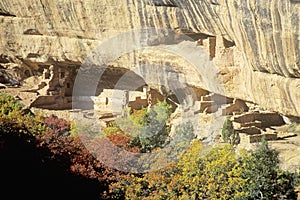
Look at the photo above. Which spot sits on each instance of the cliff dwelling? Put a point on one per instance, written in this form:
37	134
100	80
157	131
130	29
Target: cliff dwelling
120	88
81	85
54	90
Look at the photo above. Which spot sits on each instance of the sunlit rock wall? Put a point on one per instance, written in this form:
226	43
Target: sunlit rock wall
261	64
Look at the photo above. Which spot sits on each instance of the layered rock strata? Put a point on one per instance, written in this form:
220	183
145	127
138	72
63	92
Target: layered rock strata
254	44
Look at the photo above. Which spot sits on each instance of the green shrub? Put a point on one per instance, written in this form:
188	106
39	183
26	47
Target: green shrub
147	128
265	179
9	105
15	120
155	131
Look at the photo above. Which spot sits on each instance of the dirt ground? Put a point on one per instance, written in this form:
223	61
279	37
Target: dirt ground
289	152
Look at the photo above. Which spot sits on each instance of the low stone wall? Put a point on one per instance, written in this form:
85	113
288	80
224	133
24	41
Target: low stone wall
247	139
54	102
65	114
266	119
258	138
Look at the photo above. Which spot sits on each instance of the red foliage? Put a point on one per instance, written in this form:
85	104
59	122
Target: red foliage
88	156
71	152
120	140
123	141
58	125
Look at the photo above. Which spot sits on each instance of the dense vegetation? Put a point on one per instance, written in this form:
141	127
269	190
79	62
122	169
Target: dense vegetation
201	172
147	129
218	173
41	158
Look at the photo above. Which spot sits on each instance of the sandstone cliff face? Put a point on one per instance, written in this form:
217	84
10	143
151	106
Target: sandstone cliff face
257	48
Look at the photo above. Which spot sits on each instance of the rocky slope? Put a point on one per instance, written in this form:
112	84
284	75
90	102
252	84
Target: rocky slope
254	44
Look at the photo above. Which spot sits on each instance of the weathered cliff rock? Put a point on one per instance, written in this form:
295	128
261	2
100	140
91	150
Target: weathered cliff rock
257	49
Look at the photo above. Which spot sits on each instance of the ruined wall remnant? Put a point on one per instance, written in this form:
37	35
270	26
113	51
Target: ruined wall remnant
112	101
117	101
55	88
248	139
254	126
267	119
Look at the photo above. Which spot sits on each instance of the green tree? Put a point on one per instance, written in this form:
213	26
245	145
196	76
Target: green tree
228	133
155	132
264	178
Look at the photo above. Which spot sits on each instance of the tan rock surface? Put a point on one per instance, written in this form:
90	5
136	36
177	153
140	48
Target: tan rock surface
262	63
